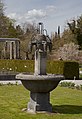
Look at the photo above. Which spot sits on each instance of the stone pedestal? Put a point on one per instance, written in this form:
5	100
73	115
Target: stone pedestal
40	87
39	102
11	50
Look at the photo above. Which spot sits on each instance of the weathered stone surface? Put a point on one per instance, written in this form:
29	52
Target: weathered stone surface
40	63
40	84
39	102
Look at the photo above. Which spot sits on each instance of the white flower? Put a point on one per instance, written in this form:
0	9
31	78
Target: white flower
25	66
10	69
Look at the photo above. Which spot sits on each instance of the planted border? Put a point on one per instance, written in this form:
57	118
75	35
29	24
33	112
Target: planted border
68	69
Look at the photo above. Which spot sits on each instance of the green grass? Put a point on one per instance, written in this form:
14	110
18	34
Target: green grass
67	103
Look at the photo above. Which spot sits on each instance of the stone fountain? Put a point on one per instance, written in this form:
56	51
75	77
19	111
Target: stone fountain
40	83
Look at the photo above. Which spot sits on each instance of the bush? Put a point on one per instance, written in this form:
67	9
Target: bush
68	69
72	85
77	87
81	87
10	84
1	84
67	84
16	65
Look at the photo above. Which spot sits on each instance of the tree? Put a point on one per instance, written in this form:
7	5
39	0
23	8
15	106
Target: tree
5	22
76	29
19	32
66	37
1	8
69	52
29	31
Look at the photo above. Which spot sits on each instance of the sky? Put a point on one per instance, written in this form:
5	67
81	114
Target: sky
52	13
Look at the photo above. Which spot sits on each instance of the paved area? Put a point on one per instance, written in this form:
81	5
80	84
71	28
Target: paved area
12	82
77	82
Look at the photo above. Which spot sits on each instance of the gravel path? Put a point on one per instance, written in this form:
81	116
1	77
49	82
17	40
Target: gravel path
77	82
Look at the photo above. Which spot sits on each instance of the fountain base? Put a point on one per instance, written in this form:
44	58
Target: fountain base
40	87
39	102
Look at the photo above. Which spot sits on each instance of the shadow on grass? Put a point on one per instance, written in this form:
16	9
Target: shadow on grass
67	109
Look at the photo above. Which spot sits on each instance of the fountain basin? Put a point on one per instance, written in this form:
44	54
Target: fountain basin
40	83
39	87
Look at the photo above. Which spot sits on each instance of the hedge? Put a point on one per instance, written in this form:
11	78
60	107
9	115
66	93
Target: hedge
68	69
17	65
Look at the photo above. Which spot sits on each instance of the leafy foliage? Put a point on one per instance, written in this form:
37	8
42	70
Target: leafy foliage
29	32
71	85
25	33
1	8
76	29
68	69
7	28
67	84
69	51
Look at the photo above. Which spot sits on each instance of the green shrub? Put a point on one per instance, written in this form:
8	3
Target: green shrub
1	84
16	65
67	84
81	87
68	69
10	84
71	69
77	87
72	85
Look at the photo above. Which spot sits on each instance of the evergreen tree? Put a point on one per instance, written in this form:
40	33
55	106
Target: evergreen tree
1	8
76	29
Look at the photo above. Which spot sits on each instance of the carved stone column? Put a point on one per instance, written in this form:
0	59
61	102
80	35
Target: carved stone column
5	49
11	50
15	56
17	49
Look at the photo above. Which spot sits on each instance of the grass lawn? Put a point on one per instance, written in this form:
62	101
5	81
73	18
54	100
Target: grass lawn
67	103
